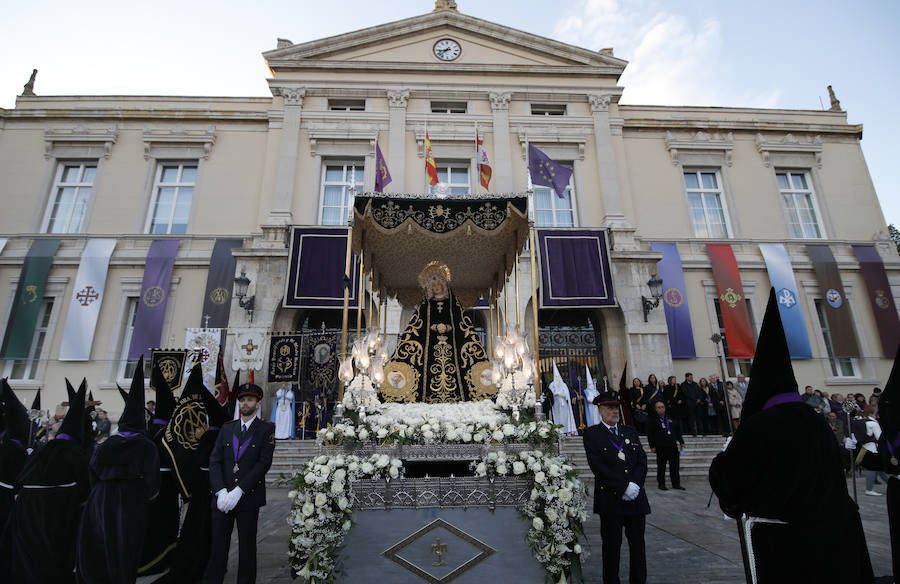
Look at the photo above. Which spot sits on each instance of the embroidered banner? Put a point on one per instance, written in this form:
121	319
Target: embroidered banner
151	311
880	296
204	342
574	268
171	365
321	360
248	351
27	300
837	309
781	275
316	269
735	316
219	283
284	357
87	297
678	315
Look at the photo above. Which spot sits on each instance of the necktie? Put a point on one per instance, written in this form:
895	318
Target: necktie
615	431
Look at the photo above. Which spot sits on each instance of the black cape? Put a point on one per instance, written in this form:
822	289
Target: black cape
124	476
163	516
783	463
12	461
38	543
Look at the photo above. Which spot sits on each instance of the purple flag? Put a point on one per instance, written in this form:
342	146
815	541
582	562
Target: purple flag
382	175
678	315
546	173
880	297
148	322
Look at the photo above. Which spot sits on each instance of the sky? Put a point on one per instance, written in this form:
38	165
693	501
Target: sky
708	53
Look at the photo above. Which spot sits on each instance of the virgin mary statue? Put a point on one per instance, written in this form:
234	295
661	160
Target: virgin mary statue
439	357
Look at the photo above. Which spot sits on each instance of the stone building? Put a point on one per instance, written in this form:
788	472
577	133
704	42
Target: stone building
199	169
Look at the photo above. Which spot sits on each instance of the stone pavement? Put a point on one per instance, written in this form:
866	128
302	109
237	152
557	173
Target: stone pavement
686	541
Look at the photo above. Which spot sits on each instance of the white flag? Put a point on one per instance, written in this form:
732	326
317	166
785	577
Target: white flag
248	349
206	342
3	241
87	296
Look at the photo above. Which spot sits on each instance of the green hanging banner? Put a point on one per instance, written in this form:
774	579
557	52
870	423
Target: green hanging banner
28	298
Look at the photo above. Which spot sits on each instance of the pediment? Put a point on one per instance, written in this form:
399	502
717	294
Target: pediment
409	42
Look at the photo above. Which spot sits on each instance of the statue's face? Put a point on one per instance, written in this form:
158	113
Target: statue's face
438	288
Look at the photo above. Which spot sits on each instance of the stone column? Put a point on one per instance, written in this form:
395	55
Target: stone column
397	100
503	157
286	170
613	209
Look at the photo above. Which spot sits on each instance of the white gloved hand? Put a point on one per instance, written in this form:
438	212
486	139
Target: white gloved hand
232	498
850	442
631	492
220	499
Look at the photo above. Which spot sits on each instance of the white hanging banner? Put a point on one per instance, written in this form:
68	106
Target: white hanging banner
87	296
3	241
205	343
248	351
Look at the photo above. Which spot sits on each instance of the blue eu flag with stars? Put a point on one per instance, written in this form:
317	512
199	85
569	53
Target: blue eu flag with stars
546	173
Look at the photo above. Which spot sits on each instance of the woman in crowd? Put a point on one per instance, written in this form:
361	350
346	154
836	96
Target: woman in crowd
735	401
638	405
675	403
709	420
654	392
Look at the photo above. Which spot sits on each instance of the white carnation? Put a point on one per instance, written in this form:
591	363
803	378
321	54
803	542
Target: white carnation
538	523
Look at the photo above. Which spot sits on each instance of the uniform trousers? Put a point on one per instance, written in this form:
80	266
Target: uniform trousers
893	508
222	526
611	527
670	456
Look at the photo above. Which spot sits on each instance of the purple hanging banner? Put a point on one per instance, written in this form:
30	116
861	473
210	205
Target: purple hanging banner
575	268
151	311
316	265
880	296
678	315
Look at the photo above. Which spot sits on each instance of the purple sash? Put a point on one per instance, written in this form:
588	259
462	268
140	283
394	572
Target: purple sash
129	434
781	398
64	436
240	450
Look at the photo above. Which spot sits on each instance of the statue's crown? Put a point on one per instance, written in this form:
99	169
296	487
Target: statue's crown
432	269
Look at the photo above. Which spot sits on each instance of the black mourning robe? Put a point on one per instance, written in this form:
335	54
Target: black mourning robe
38	542
124	476
163	513
438	364
784	463
12	461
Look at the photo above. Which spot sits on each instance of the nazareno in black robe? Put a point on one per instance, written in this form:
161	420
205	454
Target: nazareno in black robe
784	463
124	475
38	542
12	461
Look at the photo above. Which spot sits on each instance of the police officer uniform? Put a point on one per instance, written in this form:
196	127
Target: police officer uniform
240	458
616	458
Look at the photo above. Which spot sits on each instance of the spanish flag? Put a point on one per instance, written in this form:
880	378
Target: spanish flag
430	166
484	165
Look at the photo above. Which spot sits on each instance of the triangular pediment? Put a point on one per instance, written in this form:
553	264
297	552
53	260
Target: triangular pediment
410	42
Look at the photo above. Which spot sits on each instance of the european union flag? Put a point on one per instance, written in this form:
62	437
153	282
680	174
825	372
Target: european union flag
545	172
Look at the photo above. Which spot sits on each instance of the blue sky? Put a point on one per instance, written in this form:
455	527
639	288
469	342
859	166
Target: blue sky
762	54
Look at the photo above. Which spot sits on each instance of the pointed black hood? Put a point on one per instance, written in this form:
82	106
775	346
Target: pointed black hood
193	387
217	413
36	403
889	404
73	424
122	393
771	373
165	401
15	416
133	418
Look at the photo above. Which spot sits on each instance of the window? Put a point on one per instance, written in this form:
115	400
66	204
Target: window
173	191
337	180
797	194
733	366
454	175
548	109
708	214
840	366
449	107
25	369
347	105
71	193
126	367
551	210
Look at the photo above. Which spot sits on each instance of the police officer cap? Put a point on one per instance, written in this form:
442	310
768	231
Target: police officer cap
250	389
607	398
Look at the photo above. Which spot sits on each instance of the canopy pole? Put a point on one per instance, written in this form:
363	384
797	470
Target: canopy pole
349	279
383	315
506	307
371	301
516	264
534	310
362	291
491	322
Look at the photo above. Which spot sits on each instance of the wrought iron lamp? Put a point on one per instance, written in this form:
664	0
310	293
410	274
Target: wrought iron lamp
241	286
655	284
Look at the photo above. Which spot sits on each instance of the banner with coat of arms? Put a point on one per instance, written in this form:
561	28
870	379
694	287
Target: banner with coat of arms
880	297
284	357
171	365
248	351
86	299
219	284
321	361
204	342
781	275
675	306
151	310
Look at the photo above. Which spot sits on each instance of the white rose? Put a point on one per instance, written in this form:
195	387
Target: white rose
478	437
310	523
342	503
363	434
321	459
492	455
394	472
321	499
382	432
539	477
481	469
308	509
329	435
534	494
337	487
367	467
551	515
509	429
396	462
339	474
466	436
353	466
428	434
452	436
292	495
518	467
497	436
577	548
347	525
565	495
538	523
502	468
350	431
310	478
553	471
544	432
383	461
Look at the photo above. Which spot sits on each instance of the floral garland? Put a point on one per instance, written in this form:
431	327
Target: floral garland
556	506
322	504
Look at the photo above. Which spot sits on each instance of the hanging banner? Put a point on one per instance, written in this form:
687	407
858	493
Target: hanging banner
3	241
204	343
219	284
27	300
574	268
171	364
248	351
678	315
87	297
151	311
837	309
284	357
318	257
735	316
880	296
321	361
781	275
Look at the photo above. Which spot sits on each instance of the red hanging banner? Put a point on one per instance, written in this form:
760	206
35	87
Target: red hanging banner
735	316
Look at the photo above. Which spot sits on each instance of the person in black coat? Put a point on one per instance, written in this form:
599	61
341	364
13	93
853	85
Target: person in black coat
695	403
619	464
13	438
664	438
237	473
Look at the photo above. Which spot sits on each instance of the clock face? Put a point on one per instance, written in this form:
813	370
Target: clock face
447	49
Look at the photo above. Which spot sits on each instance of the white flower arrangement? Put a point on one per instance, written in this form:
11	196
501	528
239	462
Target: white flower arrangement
361	394
322	505
555	509
516	392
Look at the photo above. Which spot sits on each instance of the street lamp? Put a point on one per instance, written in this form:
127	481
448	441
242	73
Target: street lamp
655	284
241	286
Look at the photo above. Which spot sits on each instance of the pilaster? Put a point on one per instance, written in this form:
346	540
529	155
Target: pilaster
397	100
503	163
286	170
613	208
